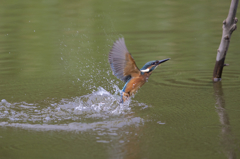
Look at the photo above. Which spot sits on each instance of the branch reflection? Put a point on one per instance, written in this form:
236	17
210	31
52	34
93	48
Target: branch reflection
227	140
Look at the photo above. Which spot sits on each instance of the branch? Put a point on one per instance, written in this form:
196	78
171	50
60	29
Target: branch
229	25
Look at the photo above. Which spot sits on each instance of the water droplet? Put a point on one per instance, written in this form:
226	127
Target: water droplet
159	122
48	118
3	101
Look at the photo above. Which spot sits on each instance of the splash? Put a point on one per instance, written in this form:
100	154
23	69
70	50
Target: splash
101	103
79	113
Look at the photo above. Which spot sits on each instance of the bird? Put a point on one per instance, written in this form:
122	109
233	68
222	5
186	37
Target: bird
124	68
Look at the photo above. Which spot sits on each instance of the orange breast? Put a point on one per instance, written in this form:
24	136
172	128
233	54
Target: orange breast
134	84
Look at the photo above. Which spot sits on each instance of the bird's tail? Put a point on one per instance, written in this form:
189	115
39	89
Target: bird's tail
121	101
124	97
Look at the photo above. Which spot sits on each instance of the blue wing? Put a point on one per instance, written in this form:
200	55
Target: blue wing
121	61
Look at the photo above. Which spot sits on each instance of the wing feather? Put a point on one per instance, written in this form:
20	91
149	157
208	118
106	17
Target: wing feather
121	61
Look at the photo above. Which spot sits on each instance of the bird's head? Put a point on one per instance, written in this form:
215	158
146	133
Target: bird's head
151	65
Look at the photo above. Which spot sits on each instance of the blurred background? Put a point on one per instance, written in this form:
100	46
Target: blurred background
56	82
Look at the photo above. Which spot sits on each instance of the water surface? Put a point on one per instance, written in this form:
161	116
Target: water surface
59	99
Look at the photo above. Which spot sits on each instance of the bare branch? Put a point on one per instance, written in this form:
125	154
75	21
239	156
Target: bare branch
229	25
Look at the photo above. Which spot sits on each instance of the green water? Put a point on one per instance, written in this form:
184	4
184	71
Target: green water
58	97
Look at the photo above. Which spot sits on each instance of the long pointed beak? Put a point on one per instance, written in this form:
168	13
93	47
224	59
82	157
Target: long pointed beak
162	61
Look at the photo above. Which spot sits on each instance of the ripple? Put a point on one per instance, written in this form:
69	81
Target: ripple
196	79
77	126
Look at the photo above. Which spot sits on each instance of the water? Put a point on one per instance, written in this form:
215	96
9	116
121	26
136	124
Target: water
101	107
59	99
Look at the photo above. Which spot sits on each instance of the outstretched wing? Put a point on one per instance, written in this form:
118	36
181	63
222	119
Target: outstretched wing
121	61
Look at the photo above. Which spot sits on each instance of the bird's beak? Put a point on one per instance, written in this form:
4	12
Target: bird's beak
162	61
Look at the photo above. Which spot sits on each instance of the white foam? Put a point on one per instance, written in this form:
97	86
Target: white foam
100	109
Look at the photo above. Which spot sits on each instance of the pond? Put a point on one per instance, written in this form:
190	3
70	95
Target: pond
59	99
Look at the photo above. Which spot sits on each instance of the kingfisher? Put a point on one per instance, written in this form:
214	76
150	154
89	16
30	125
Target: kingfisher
124	68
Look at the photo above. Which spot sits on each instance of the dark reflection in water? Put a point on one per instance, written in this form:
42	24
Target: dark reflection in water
227	139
